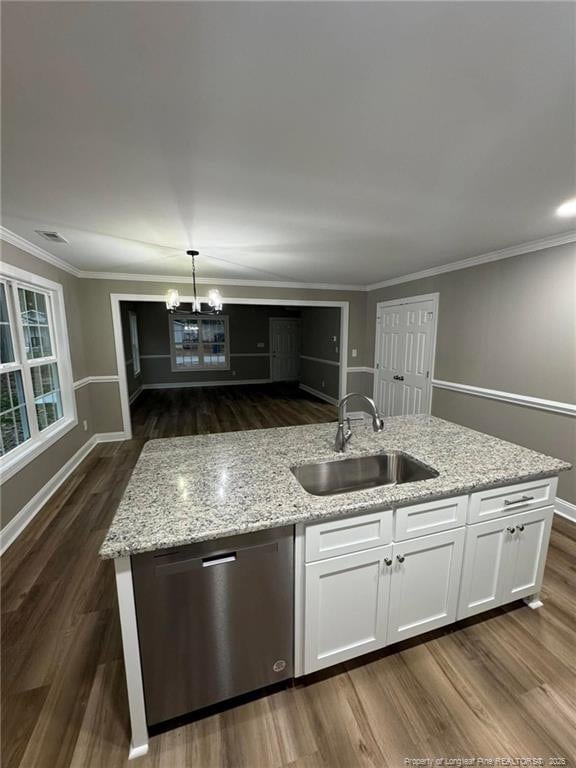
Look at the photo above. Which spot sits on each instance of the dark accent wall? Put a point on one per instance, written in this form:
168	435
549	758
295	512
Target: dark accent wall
249	328
320	338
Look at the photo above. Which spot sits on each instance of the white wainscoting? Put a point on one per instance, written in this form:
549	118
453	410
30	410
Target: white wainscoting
567	409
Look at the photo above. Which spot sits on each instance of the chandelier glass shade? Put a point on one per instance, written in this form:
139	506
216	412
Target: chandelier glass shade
214	299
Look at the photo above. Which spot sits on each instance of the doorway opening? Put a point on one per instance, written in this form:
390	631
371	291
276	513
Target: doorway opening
261	363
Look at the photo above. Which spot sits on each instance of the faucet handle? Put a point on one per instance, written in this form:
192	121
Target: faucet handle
377	423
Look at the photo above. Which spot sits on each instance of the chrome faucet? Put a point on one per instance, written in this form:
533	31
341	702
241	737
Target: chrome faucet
344	434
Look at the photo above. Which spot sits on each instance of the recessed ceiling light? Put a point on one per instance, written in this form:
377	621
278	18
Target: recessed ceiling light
567	209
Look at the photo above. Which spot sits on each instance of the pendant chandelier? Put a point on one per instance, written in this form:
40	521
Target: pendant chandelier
214	300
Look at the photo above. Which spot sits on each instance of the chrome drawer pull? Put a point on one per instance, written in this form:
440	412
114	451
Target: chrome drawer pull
521	500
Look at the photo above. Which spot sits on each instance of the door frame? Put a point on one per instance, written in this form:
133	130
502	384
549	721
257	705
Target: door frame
116	298
435	298
270	321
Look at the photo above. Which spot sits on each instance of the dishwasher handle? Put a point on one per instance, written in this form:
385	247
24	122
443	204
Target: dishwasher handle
183	564
207	562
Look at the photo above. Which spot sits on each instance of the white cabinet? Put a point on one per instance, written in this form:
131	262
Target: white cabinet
358	589
485	561
507	500
528	557
425	584
346	606
504	560
349	534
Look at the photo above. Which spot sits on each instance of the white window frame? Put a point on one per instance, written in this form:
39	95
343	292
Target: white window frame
134	343
39	440
192	369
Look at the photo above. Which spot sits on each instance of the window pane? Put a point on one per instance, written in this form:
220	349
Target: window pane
6	347
14	428
47	395
34	315
213	331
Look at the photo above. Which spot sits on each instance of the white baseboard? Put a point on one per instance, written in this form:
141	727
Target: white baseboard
14	528
191	384
316	393
135	394
565	509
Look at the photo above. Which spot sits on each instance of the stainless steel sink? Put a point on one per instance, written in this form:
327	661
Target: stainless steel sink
325	478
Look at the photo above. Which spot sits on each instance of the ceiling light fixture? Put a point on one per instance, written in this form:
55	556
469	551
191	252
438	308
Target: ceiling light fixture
567	209
214	297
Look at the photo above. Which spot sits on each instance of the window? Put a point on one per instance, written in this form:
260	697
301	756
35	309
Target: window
35	407
134	343
199	343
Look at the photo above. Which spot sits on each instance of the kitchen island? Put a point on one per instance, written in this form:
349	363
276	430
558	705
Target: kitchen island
372	566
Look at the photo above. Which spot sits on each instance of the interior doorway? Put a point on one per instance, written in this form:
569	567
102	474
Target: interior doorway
404	355
284	348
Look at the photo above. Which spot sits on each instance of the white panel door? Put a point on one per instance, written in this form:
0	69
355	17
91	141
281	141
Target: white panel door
404	348
388	357
530	538
346	607
425	583
417	330
486	566
284	349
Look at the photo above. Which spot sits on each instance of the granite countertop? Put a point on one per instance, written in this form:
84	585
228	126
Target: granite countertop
190	489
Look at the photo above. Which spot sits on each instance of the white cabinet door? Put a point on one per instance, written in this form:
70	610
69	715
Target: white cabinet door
346	607
528	552
504	560
425	583
486	558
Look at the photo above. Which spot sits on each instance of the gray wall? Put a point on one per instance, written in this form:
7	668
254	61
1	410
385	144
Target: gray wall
97	313
508	325
21	487
318	327
249	328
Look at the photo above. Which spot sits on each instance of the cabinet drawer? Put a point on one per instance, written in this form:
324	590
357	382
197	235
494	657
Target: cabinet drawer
496	502
351	534
430	517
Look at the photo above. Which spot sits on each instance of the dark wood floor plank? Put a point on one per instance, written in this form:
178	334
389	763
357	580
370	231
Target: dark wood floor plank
502	685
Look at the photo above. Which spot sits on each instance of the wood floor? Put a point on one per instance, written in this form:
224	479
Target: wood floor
196	411
503	686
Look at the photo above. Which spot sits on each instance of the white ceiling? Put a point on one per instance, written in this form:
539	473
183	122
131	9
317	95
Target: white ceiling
315	142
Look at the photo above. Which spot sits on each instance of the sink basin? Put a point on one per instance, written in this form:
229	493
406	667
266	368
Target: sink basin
325	478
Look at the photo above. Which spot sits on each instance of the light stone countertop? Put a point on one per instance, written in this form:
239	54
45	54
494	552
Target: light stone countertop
190	489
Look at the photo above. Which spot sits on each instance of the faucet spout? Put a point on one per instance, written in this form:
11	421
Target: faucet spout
344	432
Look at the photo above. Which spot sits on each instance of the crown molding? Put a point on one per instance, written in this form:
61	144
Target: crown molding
484	258
220	281
505	253
35	250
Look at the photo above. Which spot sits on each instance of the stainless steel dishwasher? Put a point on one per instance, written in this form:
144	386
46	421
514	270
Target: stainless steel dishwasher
215	620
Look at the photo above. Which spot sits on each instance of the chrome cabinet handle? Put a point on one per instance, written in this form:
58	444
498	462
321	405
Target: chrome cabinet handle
400	558
387	561
511	530
520	528
521	500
